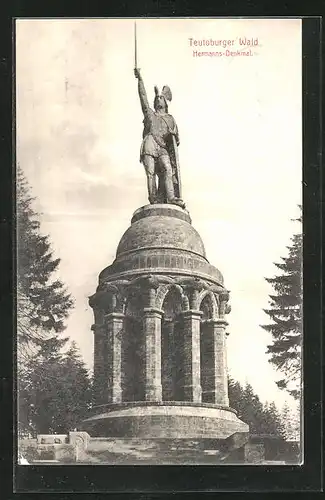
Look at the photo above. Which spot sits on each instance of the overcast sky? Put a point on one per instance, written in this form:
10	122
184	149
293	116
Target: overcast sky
79	127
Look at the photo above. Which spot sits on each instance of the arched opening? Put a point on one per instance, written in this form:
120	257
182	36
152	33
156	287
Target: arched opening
133	350
206	308
207	359
171	328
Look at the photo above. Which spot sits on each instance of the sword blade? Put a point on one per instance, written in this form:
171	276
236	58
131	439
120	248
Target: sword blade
177	167
135	46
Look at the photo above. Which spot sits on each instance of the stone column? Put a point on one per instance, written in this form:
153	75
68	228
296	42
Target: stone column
115	324
100	380
208	362
152	362
220	357
191	383
168	361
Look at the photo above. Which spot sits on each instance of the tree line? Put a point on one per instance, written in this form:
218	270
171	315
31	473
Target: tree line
54	385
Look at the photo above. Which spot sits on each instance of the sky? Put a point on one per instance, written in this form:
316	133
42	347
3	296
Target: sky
78	135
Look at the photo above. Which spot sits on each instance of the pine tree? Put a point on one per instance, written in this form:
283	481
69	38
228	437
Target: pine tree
42	305
42	300
285	311
78	383
253	410
291	422
57	391
236	398
273	421
262	419
38	375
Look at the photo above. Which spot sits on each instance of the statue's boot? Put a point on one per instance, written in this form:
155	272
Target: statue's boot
170	192
178	201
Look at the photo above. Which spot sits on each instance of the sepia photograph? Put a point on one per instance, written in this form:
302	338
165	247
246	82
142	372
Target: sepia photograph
159	241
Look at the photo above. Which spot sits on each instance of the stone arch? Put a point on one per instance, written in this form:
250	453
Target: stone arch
208	297
112	293
120	300
173	301
133	302
110	287
161	294
163	291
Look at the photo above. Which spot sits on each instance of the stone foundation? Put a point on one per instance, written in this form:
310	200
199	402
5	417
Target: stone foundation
181	420
237	449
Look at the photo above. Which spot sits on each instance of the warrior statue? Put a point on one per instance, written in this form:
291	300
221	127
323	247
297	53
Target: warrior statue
159	153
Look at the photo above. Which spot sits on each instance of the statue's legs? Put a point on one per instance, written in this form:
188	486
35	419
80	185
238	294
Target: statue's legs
161	197
149	165
166	168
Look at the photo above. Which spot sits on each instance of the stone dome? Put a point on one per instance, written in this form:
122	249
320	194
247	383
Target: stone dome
161	239
161	226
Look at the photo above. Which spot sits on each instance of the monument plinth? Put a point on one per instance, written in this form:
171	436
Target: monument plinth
160	335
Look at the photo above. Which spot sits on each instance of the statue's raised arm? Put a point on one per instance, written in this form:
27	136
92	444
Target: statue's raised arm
159	148
142	92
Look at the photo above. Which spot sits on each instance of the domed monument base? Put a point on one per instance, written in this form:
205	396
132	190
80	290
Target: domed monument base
160	369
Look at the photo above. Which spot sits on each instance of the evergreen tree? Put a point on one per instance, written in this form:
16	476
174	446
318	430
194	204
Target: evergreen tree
42	300
37	376
285	311
42	306
291	422
57	391
273	421
253	410
78	388
262	419
236	398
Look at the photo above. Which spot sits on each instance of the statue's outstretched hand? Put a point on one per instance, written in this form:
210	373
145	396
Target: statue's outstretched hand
137	73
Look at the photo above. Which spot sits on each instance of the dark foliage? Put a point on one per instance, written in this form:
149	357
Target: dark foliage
56	391
285	312
262	419
42	300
